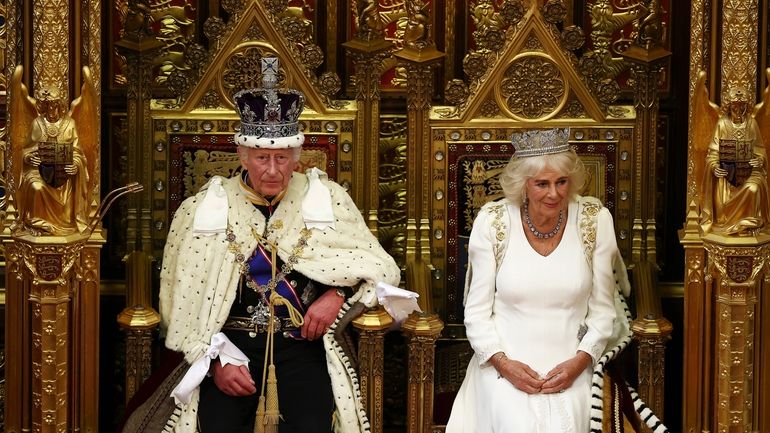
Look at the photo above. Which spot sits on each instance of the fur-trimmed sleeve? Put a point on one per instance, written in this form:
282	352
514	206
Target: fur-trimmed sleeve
348	255
197	284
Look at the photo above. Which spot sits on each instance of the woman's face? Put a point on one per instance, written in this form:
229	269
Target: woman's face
548	193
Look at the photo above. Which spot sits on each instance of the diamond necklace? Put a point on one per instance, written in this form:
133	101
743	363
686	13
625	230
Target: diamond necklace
535	231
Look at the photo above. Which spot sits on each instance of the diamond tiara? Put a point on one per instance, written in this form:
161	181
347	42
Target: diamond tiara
537	142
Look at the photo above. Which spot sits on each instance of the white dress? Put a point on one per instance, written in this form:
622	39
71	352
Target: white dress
533	310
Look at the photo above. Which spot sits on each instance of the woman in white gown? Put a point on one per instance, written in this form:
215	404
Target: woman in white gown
538	315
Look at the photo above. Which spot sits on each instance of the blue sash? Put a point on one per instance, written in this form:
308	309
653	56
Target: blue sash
260	271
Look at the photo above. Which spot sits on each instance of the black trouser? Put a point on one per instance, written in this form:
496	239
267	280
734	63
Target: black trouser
305	394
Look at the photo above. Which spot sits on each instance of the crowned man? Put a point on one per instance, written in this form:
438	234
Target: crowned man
258	272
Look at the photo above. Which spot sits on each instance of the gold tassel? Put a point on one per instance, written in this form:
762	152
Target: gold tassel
272	414
259	422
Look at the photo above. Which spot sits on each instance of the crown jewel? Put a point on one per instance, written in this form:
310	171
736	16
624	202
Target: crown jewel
269	115
537	142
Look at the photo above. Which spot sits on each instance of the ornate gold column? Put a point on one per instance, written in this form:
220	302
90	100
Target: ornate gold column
739	269
696	406
139	46
51	376
651	330
373	326
52	274
739	45
697	322
418	56
421	331
50	45
139	319
368	50
726	313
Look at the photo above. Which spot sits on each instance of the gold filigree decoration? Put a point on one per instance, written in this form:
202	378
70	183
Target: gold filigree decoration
214	29
739	46
490	39
572	37
607	90
242	70
555	11
456	91
329	84
512	11
533	87
475	65
573	109
50	44
235	7
391	215
254	33
312	56
485	16
296	27
211	100
533	44
3	44
176	27
489	108
501	228
698	60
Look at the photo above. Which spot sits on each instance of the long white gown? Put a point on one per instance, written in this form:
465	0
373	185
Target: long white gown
533	309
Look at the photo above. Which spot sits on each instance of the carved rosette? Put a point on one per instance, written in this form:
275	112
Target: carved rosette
533	88
456	92
738	273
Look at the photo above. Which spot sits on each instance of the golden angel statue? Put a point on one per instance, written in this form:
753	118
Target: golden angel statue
54	157
731	161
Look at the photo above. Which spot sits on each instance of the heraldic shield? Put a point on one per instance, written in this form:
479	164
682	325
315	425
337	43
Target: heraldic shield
54	156
734	156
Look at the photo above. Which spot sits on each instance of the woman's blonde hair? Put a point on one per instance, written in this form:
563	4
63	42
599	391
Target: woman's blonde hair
514	177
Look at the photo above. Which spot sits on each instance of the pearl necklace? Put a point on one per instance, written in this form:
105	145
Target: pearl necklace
535	231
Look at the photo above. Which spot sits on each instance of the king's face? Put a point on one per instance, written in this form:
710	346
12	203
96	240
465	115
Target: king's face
269	169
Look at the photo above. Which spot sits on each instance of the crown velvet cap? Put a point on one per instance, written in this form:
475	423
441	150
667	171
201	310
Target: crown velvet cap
269	115
537	142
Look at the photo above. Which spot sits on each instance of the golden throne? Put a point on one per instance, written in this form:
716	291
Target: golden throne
521	75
